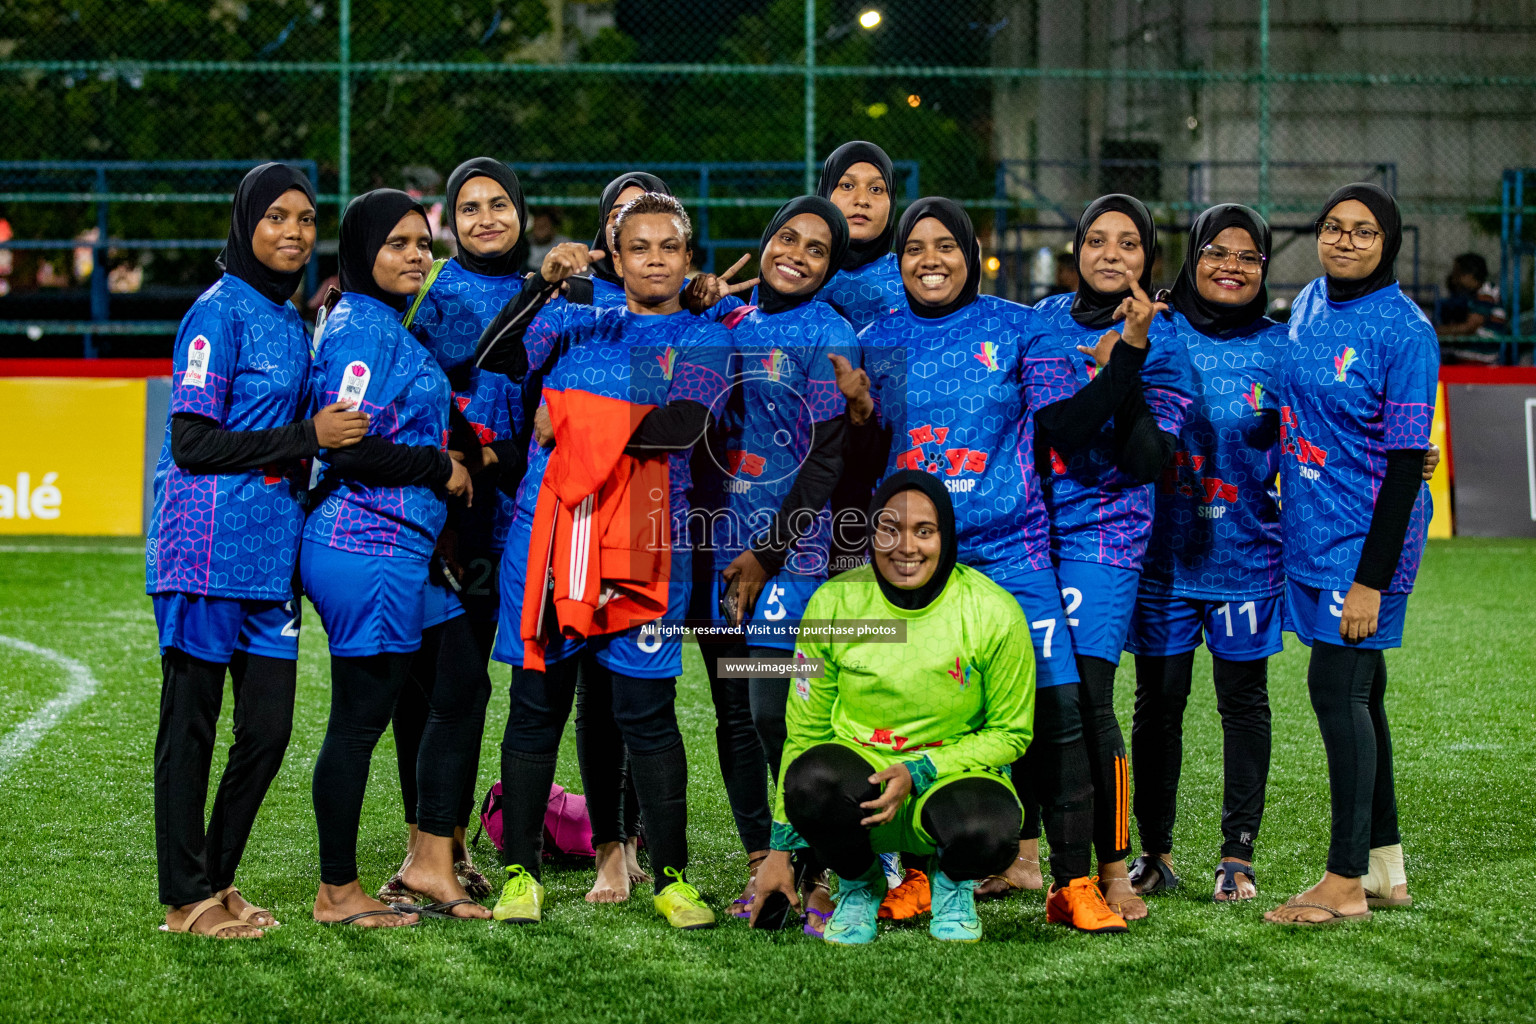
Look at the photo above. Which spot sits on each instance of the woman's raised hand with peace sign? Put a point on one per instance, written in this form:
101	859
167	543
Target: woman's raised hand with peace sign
707	289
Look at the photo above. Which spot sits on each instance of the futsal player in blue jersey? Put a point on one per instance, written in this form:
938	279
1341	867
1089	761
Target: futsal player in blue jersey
860	180
959	380
650	351
1212	572
1357	396
1098	489
376	511
461	296
223	540
781	457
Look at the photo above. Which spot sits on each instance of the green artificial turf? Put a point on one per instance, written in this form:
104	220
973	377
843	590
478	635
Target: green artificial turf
77	870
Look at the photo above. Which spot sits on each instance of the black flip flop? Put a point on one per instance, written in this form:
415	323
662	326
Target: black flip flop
1228	871
442	910
1166	879
368	913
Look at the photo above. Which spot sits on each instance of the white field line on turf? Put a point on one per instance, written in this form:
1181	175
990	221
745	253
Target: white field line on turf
25	736
65	549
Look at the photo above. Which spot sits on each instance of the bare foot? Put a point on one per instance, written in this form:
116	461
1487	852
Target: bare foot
1346	895
1118	892
209	919
613	877
817	897
338	902
1246	890
236	904
637	874
443	889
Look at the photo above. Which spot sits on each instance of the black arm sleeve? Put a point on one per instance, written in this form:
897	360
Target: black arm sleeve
1074	422
501	346
378	463
674	427
511	464
1142	448
818	475
200	446
1390	517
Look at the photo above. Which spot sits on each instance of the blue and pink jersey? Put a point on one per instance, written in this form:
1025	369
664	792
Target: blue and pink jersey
1216	516
865	295
786	384
448	322
1099	513
1358	380
959	395
366	358
241	361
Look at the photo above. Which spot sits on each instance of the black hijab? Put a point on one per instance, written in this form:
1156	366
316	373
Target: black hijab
603	268
365	227
511	261
258	190
953	216
1216	318
1384	208
861	254
933	487
1091	307
770	301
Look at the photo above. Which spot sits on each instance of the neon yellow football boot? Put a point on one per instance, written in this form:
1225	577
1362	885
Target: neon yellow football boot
681	904
522	898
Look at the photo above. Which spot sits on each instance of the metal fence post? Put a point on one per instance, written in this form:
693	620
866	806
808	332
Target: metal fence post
1264	108
344	113
810	96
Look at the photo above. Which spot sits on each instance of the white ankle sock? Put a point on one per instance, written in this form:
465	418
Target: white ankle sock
1386	870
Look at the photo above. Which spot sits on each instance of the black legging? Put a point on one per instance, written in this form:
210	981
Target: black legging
193	863
1106	759
1348	687
1054	782
450	667
363	692
540	703
743	756
974	822
601	757
1157	747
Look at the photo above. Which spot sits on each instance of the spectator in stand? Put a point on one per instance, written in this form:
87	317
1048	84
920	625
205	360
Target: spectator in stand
543	235
1470	309
1066	273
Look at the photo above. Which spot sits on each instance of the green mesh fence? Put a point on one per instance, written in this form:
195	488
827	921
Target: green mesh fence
1024	109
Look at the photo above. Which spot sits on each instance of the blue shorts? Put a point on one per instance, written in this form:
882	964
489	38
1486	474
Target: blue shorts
509	613
439	604
1098	600
368	604
1313	615
1039	596
1241	630
775	620
214	628
644	652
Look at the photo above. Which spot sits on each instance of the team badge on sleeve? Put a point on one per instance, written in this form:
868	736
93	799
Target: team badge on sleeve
354	384
198	352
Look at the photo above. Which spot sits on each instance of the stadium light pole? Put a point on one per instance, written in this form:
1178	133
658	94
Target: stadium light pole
810	96
1264	108
344	114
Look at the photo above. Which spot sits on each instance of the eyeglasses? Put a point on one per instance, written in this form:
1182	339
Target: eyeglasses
1247	260
1360	238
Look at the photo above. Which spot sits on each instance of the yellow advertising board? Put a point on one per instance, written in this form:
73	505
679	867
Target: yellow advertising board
71	455
1440	483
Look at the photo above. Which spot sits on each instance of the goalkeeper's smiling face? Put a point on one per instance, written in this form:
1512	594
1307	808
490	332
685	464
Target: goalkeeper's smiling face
908	541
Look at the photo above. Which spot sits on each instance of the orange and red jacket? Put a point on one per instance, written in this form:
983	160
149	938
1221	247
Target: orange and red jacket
601	553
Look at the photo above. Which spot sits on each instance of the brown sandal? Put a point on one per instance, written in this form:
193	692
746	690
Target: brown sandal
250	911
214	932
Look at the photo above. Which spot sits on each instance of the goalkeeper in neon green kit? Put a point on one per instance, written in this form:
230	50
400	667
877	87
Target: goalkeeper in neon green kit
905	746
